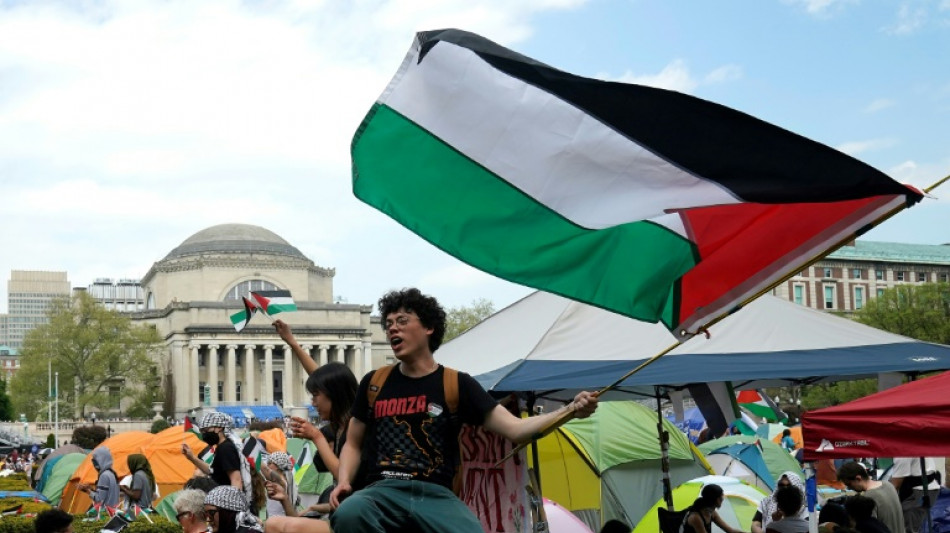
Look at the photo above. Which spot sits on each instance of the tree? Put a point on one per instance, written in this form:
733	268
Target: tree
92	348
6	406
460	319
828	394
89	437
918	311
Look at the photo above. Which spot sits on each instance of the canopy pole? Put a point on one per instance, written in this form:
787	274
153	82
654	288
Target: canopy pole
532	399
664	437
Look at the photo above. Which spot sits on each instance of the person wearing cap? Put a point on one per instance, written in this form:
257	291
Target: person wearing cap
226	511
225	469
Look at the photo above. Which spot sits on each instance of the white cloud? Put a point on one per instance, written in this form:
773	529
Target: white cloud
676	76
878	105
854	148
911	16
822	8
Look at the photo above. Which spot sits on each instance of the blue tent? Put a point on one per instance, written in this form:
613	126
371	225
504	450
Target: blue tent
744	462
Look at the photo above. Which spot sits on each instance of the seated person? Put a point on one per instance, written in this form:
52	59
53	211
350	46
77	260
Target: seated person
861	511
789	500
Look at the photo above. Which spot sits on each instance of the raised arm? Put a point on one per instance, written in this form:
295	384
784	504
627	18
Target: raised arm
283	329
350	458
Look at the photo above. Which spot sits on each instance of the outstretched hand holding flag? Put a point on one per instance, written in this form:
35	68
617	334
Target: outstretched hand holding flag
267	302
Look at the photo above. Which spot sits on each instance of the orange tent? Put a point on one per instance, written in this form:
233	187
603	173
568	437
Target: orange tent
121	446
796	434
275	440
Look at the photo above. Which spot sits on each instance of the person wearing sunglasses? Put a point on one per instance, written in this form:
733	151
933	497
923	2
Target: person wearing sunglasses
226	511
190	511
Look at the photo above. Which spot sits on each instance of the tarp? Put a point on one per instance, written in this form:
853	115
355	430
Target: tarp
607	466
911	420
776	459
738	508
545	342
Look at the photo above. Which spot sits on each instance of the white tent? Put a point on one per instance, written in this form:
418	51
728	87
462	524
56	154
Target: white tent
554	346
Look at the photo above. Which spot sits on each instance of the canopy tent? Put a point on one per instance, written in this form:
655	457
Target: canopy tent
605	466
776	459
739	505
554	346
911	420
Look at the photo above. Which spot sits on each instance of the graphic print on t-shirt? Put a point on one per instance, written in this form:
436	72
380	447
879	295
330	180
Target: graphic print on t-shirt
410	433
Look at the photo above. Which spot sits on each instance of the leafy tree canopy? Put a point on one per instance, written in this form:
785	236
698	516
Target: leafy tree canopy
92	348
918	311
6	406
460	319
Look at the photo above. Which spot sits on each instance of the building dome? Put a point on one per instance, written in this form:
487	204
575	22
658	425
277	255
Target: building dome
234	239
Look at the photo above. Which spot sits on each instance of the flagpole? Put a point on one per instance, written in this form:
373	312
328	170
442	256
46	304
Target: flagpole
561	419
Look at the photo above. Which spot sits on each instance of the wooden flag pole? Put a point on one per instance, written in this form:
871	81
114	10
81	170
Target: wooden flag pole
561	419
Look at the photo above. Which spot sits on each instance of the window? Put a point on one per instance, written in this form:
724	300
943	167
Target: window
827	273
201	392
858	297
237	390
899	275
879	274
857	273
921	277
944	277
829	296
799	291
880	292
220	390
241	289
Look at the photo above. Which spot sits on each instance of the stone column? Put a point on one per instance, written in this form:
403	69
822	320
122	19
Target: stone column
367	358
230	374
290	393
268	389
194	381
249	392
323	354
179	377
212	362
303	375
341	353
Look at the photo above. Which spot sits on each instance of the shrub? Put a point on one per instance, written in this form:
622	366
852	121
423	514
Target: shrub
159	425
89	437
83	524
51	441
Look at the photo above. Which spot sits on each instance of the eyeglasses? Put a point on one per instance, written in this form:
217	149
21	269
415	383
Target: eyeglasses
401	321
182	514
210	514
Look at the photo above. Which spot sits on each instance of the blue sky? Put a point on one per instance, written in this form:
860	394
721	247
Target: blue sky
125	127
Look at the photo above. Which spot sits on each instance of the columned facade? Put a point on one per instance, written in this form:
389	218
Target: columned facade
192	292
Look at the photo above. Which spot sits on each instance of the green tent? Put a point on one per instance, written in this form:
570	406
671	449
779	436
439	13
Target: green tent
777	460
59	476
608	466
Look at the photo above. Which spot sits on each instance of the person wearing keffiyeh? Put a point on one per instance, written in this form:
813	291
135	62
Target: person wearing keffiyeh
768	510
226	511
228	466
279	470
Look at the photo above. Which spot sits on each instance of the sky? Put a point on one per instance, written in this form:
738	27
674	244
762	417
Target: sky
128	126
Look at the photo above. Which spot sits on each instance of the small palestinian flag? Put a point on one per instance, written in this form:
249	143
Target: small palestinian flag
759	404
254	450
242	318
302	463
95	510
273	302
190	427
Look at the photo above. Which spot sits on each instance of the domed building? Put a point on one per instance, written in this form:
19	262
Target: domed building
191	293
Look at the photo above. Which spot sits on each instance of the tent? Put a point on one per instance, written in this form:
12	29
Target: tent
56	475
554	346
739	506
743	462
911	420
606	466
311	481
163	451
776	459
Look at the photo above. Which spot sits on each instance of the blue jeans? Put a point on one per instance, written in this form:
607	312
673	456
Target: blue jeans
394	504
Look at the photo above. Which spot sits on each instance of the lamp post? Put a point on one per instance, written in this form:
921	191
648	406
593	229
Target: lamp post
56	412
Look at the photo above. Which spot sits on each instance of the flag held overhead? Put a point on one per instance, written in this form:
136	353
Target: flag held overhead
646	202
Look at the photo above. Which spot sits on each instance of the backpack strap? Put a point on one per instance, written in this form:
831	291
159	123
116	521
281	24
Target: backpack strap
450	384
376	384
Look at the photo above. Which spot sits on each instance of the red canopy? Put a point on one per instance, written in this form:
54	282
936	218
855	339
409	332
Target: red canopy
912	420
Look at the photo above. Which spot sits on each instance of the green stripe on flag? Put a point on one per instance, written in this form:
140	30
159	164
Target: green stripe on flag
472	214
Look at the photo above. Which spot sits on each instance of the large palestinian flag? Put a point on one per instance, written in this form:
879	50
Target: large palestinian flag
650	203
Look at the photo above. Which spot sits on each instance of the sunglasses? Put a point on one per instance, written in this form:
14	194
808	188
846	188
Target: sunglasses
210	514
182	514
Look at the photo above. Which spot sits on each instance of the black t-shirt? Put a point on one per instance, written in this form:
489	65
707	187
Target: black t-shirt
227	459
413	435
